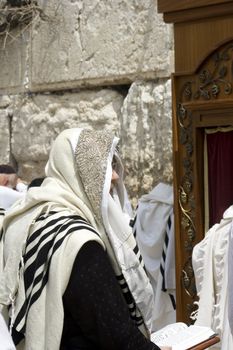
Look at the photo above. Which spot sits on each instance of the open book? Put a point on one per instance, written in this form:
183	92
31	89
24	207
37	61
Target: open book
181	337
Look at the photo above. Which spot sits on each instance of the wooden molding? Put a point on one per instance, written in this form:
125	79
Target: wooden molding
190	12
171	5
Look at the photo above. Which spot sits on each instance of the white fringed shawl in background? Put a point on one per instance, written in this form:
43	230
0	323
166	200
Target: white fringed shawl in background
155	236
210	264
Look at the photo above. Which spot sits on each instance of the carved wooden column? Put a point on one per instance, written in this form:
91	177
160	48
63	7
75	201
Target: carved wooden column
202	98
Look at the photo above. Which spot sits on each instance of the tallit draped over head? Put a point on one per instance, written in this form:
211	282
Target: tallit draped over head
78	180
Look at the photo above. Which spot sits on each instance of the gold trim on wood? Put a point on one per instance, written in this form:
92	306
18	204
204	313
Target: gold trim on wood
214	78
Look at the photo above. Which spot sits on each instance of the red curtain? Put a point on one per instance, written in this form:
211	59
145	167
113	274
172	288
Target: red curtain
220	174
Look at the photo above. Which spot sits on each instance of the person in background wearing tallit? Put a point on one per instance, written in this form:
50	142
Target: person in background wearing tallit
154	232
12	188
73	276
10	179
212	266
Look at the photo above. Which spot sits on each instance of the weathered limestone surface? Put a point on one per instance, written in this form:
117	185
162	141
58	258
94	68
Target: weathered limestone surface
142	120
13	62
4	130
4	137
92	42
41	118
146	131
76	45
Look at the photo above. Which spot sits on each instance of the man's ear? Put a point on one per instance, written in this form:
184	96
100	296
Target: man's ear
3	180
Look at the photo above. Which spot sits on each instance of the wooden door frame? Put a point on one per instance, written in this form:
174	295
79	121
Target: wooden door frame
200	99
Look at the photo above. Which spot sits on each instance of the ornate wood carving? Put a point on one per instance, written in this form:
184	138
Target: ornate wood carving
212	81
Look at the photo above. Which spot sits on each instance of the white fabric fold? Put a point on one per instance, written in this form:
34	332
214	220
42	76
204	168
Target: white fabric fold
230	279
8	197
5	338
154	211
210	264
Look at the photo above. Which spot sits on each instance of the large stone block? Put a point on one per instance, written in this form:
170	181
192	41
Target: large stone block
146	136
4	137
13	58
92	42
41	118
142	120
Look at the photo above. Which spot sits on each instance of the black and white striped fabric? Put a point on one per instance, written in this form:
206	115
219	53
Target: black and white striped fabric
164	254
134	312
163	260
162	267
136	249
2	212
40	248
133	223
134	229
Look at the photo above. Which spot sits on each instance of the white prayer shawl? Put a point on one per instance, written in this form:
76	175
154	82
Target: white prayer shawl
8	197
2	213
21	187
230	279
210	264
155	237
69	170
6	342
45	318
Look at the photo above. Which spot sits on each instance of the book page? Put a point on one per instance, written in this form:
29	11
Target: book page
161	336
181	338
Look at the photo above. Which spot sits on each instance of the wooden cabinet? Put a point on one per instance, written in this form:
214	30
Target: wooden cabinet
202	93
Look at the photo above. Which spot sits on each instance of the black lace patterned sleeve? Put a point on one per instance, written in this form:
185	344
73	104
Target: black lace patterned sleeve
96	314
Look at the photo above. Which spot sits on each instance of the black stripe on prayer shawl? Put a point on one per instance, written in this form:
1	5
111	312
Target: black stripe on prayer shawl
44	216
138	254
163	261
132	223
55	221
40	247
44	251
34	284
173	301
134	312
2	211
136	249
42	237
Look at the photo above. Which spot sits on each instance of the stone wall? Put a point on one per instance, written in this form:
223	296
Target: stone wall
89	63
146	132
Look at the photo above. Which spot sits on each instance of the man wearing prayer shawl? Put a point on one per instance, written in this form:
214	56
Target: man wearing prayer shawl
73	276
